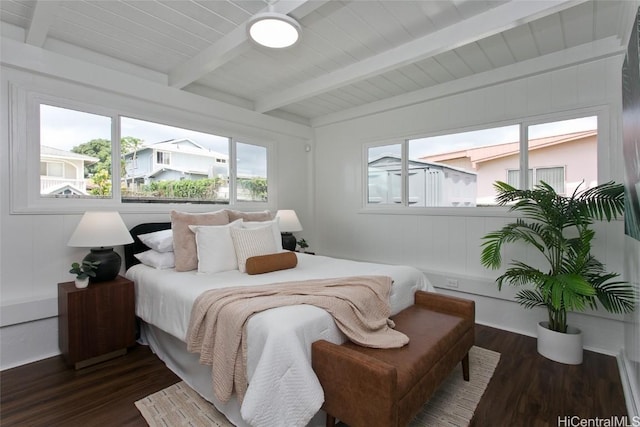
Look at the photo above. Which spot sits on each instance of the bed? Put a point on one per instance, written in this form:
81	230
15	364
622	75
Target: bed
283	389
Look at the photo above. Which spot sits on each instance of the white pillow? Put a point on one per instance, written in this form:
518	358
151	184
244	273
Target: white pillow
161	241
275	228
215	248
252	242
155	259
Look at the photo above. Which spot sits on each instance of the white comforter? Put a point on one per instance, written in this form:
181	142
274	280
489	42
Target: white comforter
283	389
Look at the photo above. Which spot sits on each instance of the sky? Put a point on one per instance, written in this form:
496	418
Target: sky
65	129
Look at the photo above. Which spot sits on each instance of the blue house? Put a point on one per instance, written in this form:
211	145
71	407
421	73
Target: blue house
174	160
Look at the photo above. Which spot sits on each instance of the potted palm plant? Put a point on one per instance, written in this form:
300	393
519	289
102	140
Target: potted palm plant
559	227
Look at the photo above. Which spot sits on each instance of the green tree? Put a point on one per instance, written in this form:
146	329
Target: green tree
100	148
130	144
102	180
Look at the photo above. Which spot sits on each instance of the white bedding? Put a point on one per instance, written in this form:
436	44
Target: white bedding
283	389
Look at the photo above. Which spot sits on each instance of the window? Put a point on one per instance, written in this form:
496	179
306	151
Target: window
251	179
552	176
384	174
513	178
79	157
459	169
189	166
564	154
163	158
75	153
54	169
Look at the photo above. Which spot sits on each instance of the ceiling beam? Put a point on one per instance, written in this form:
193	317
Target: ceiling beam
486	24
44	13
231	45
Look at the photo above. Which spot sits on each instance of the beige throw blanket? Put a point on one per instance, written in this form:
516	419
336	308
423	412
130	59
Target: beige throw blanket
359	305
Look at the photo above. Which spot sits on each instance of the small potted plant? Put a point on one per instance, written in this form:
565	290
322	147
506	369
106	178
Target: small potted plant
303	245
83	272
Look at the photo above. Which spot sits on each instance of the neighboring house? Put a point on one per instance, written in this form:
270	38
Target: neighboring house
62	172
563	161
176	159
430	183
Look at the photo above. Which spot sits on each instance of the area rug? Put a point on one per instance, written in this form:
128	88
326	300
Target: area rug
452	405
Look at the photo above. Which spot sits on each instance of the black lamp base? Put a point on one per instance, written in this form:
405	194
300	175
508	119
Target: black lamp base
109	266
288	241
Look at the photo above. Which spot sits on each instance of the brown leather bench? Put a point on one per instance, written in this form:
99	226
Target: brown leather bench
368	387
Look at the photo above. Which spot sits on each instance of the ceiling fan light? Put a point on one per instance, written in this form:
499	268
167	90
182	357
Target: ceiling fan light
274	30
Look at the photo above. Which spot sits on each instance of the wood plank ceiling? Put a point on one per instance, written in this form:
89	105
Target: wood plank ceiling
351	53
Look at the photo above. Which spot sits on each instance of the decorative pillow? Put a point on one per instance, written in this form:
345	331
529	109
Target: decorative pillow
184	240
249	216
156	259
161	241
215	248
272	262
250	242
275	229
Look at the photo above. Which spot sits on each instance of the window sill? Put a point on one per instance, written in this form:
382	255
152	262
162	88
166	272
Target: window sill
489	211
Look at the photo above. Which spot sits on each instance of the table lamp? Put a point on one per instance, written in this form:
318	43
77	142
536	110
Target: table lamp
100	231
288	223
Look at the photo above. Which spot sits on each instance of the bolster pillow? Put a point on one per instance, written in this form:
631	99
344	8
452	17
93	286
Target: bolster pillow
272	262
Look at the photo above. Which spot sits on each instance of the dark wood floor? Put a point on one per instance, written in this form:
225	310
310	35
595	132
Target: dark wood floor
526	389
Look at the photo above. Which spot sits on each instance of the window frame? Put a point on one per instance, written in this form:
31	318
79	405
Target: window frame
534	175
403	174
24	152
164	155
604	173
233	189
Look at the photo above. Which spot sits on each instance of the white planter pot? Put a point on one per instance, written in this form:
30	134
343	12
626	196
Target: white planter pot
559	347
82	283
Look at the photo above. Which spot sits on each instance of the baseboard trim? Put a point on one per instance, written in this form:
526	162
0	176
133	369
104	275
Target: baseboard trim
19	312
29	360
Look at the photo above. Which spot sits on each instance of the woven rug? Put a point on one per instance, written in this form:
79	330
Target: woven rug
453	404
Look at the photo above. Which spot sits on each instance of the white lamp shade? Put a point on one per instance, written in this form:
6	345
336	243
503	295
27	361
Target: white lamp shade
288	221
100	229
274	30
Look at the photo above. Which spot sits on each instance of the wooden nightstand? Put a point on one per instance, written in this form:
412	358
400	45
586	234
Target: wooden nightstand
96	323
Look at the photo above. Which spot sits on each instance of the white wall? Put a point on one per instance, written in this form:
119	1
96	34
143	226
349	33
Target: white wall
446	243
34	256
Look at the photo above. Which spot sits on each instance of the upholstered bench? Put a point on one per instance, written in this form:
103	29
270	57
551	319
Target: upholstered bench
367	387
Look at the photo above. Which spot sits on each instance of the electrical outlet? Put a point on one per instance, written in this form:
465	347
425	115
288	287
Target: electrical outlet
452	283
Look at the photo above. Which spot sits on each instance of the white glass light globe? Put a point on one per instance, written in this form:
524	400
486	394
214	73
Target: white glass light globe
274	30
